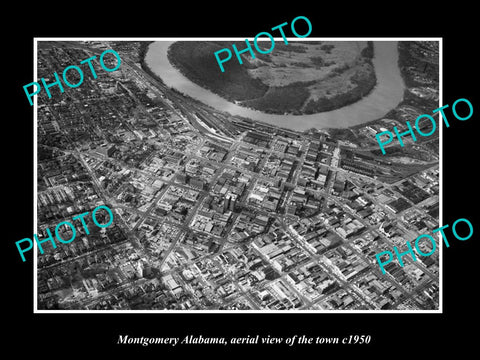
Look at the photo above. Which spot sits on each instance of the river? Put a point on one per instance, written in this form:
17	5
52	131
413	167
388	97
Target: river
386	95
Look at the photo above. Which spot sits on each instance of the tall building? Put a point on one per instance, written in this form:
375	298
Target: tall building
226	203
233	202
106	149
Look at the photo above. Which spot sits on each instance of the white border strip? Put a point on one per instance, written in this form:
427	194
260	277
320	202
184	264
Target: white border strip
440	219
35	58
35	185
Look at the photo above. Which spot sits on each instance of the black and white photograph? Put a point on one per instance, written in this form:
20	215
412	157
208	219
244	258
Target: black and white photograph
261	188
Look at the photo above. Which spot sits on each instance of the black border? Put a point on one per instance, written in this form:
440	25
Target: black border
95	334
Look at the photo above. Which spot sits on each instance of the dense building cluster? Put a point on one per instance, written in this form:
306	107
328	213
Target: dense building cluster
215	212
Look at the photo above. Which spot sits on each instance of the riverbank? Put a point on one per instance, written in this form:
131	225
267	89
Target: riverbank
343	81
386	95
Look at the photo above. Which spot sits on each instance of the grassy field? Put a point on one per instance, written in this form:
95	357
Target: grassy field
282	99
298	78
